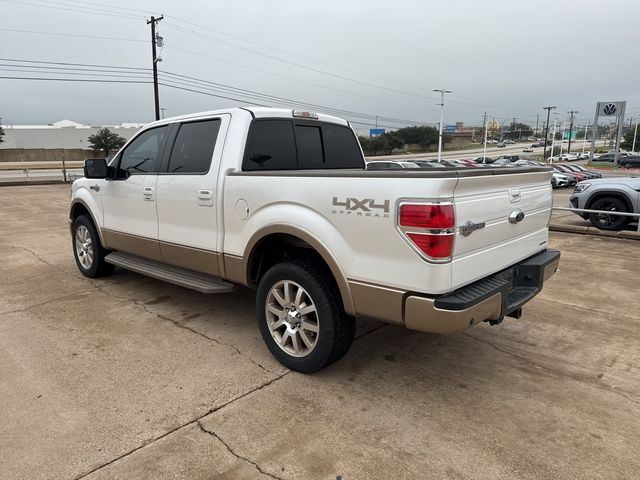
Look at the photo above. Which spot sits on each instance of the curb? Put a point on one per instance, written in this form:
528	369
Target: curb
579	229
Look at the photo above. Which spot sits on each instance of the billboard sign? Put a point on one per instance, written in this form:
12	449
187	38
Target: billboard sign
450	128
374	132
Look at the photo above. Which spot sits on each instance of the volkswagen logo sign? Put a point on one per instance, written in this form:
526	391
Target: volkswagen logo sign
516	216
609	109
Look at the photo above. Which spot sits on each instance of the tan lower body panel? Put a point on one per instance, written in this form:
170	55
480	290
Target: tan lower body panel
133	244
198	260
421	314
376	301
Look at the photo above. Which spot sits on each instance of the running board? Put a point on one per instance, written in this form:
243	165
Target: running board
200	282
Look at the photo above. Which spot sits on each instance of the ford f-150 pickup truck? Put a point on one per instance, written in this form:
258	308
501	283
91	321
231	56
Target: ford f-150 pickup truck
280	201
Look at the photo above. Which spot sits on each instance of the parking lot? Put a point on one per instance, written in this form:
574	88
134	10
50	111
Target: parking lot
128	377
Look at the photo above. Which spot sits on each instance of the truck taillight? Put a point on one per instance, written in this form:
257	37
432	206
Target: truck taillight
429	215
429	228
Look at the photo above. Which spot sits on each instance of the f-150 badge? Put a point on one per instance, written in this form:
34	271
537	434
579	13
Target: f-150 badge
367	207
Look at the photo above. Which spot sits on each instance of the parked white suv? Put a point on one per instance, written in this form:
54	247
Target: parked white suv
280	201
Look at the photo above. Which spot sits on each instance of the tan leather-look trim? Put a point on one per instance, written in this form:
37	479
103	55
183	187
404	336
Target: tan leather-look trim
196	259
421	314
83	203
133	244
318	246
378	302
235	269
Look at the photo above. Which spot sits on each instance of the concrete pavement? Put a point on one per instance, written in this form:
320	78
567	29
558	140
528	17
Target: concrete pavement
127	377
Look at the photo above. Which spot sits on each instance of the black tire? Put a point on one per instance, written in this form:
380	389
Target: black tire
97	267
335	329
607	221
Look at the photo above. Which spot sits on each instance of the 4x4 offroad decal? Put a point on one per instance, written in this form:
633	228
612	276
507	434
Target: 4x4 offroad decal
367	207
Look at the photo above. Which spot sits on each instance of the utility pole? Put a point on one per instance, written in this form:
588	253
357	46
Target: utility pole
571	114
442	92
546	130
486	127
153	21
553	140
635	132
537	118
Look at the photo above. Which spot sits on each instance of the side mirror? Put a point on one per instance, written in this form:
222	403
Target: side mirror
95	168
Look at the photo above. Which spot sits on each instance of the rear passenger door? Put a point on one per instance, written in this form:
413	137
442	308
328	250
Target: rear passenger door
187	190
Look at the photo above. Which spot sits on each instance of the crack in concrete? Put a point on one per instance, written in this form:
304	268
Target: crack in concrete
140	304
180	325
578	378
28	250
46	302
184	425
200	417
236	454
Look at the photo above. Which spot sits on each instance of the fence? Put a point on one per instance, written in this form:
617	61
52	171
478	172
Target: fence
602	212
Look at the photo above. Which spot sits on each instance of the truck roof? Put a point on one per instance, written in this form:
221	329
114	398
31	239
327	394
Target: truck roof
257	112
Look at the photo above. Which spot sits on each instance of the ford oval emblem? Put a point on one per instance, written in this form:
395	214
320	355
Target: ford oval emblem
516	216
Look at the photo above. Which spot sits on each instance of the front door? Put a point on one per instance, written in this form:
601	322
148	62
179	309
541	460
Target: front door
129	201
187	191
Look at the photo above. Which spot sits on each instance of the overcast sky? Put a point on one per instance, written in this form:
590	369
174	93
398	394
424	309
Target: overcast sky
367	57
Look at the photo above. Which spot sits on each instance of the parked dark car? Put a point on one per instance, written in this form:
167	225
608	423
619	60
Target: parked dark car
632	161
607	157
581	169
579	175
484	160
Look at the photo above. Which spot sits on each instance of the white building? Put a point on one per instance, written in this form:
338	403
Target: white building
63	134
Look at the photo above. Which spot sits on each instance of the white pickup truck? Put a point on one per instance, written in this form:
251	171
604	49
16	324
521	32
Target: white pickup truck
281	201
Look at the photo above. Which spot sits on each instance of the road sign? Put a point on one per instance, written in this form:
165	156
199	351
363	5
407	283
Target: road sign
451	128
374	132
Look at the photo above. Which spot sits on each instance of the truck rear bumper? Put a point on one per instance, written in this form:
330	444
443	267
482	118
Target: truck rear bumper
489	299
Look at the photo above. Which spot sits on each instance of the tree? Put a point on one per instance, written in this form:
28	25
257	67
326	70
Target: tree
391	141
627	142
519	130
105	139
423	136
1	134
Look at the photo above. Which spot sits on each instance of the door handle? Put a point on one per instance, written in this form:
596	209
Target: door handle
95	187
148	193
205	198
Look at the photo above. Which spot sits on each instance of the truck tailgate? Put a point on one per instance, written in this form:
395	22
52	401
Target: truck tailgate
487	241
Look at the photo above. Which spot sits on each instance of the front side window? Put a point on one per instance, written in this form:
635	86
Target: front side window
270	146
193	148
141	155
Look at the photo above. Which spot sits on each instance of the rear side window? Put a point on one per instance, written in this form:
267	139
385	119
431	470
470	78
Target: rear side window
341	147
193	148
271	145
140	155
289	145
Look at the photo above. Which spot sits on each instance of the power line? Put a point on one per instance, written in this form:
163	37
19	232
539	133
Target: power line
72	9
279	98
87	80
77	35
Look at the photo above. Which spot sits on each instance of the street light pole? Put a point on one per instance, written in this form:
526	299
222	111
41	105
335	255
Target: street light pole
442	92
635	132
